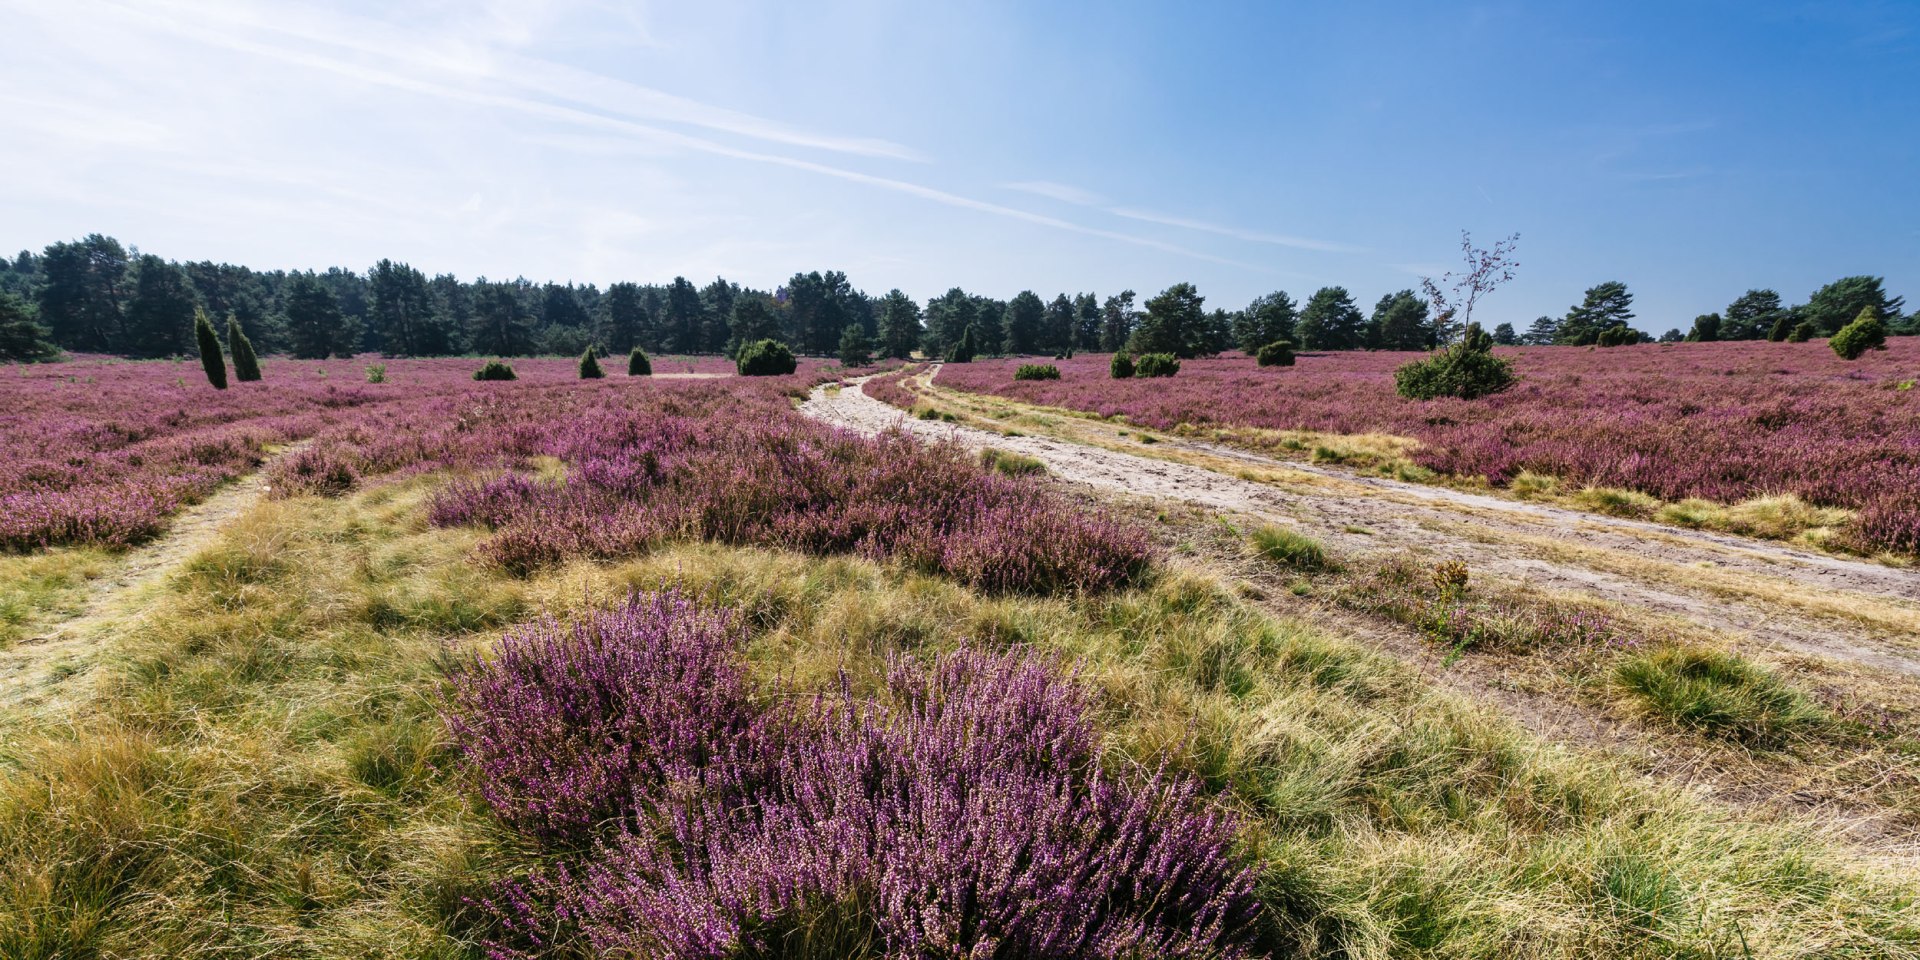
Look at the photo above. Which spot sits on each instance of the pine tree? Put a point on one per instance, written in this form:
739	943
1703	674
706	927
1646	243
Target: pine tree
22	338
1331	321
246	366
1174	322
1605	306
855	351
1542	332
211	359
1268	319
1026	319
314	322
1400	323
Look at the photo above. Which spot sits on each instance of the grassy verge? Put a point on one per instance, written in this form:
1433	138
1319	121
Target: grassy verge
1784	733
264	776
35	587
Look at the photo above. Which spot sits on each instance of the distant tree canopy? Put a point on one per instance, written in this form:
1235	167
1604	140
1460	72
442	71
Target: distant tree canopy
1605	306
1175	322
1270	318
1400	322
1026	315
1840	302
1331	321
1752	316
94	295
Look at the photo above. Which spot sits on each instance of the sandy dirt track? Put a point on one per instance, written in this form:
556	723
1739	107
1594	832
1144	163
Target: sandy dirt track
1770	595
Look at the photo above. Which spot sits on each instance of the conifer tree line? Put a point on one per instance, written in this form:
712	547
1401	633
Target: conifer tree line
95	295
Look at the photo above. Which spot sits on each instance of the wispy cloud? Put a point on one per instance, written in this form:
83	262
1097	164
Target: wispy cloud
1058	191
364	53
471	55
1237	233
1067	193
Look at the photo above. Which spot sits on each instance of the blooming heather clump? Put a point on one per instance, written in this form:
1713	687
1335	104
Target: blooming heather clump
758	474
1890	525
566	728
326	471
969	815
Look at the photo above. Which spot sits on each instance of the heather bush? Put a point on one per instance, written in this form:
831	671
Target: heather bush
638	365
564	730
725	464
969	813
1892	523
1466	370
1866	332
495	370
1120	367
1037	371
1276	354
1156	365
590	366
319	470
765	358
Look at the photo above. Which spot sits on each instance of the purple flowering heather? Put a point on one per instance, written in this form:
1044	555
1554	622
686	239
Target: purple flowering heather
561	726
971	814
102	451
755	473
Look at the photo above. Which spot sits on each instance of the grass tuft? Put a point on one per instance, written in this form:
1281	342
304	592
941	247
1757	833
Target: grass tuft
1719	694
1010	463
1289	548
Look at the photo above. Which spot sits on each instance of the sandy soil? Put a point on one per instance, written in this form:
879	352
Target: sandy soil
54	666
1774	597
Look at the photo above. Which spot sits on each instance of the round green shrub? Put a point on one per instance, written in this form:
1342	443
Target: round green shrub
765	358
1156	365
1618	335
1803	332
638	365
1122	367
1866	332
1276	354
495	370
1467	370
1037	371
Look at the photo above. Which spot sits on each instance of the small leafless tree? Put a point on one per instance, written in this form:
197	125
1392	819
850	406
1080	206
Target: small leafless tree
1486	270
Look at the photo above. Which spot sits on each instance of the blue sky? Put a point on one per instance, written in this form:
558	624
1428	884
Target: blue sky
1691	150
